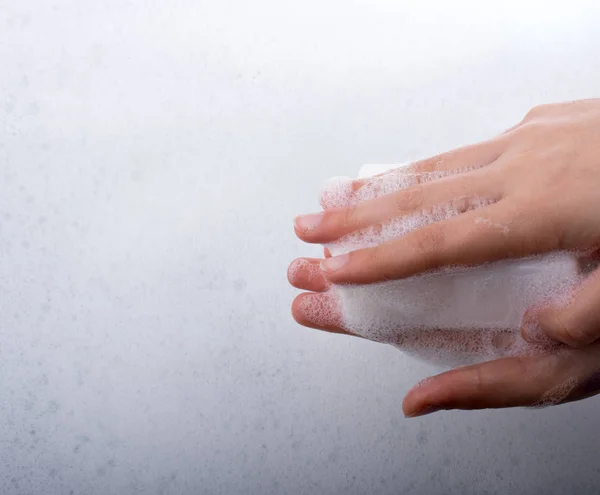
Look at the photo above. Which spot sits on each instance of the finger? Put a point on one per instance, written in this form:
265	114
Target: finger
507	382
457	193
308	309
493	384
463	158
494	232
397	177
320	311
577	323
391	181
305	274
466	157
342	191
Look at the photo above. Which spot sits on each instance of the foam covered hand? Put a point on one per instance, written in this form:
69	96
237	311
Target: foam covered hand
534	189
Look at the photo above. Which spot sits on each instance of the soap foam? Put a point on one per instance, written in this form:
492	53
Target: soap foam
301	266
323	309
344	191
558	394
451	316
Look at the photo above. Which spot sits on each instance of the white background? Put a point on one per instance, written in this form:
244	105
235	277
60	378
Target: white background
152	157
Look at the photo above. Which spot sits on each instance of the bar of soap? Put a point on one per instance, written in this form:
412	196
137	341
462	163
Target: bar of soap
449	317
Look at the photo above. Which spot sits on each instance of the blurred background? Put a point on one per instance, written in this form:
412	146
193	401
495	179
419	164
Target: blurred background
152	158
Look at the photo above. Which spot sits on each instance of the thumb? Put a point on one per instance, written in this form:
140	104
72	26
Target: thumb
576	324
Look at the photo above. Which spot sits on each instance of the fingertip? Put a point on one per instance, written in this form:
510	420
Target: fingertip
302	309
417	401
306	225
323	227
293	269
297	311
305	274
530	327
318	310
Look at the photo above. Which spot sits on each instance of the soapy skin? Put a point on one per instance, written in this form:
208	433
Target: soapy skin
541	182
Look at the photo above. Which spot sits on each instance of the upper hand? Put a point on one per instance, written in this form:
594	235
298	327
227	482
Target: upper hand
541	183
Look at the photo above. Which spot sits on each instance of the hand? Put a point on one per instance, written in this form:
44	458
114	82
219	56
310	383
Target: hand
553	375
541	180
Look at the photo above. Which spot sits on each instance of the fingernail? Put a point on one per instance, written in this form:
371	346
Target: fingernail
423	412
335	263
532	332
305	223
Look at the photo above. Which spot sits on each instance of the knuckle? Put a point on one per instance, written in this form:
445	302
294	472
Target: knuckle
425	165
375	260
532	128
373	255
463	204
430	241
563	327
542	232
478	381
409	199
531	114
540	110
350	217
